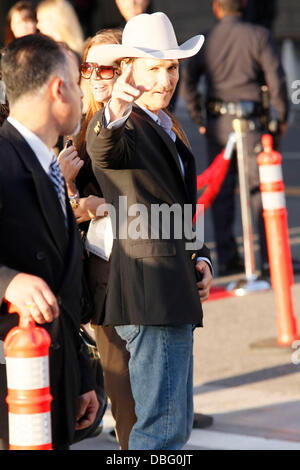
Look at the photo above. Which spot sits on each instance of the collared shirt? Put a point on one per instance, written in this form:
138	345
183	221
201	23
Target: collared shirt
163	120
39	148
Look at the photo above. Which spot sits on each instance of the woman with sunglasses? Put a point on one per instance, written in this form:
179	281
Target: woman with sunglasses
86	196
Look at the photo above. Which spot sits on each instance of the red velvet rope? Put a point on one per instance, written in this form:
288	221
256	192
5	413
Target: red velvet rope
213	178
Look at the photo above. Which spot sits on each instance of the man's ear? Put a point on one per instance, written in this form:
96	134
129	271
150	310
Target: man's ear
57	89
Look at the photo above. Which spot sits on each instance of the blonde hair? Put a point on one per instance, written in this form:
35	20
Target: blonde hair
65	25
105	36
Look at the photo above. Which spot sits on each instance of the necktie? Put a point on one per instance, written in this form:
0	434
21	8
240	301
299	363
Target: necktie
58	182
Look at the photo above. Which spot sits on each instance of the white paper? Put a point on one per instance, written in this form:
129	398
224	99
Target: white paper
99	239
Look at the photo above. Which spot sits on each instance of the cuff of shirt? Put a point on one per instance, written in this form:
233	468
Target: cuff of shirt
208	262
118	122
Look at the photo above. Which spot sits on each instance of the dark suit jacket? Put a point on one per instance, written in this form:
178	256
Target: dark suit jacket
237	58
34	240
152	281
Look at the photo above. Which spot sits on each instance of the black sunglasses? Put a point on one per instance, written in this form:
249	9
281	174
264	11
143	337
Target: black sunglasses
105	72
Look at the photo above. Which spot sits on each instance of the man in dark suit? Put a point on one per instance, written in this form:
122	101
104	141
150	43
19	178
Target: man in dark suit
153	299
40	255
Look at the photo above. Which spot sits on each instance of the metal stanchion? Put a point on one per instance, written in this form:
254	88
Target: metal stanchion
250	283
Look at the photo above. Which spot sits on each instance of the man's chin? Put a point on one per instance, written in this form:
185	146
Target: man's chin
76	130
165	101
161	103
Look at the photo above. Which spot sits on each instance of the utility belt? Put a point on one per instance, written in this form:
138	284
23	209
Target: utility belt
241	109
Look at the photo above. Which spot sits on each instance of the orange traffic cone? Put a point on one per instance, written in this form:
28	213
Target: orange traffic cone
276	225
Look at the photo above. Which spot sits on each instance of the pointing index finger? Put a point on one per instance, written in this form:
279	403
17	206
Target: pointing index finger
127	73
127	78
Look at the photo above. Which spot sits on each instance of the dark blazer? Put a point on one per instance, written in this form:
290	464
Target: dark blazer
151	281
34	240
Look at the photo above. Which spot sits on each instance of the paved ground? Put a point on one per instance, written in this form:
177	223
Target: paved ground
251	391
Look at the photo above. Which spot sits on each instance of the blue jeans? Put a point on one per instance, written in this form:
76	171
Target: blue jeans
161	376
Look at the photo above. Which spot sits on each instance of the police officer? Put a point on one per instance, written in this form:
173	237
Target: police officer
238	59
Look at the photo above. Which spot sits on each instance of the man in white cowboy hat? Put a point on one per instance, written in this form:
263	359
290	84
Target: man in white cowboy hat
154	296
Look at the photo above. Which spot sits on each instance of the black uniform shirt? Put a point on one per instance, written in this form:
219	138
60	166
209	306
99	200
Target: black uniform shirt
236	59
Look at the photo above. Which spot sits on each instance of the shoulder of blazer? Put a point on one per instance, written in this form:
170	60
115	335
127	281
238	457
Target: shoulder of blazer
46	196
10	135
7	134
96	124
106	147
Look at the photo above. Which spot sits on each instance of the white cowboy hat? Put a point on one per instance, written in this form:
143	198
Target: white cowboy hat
149	36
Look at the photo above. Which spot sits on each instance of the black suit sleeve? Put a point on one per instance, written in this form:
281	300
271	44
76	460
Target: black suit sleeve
6	276
204	252
88	382
6	273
